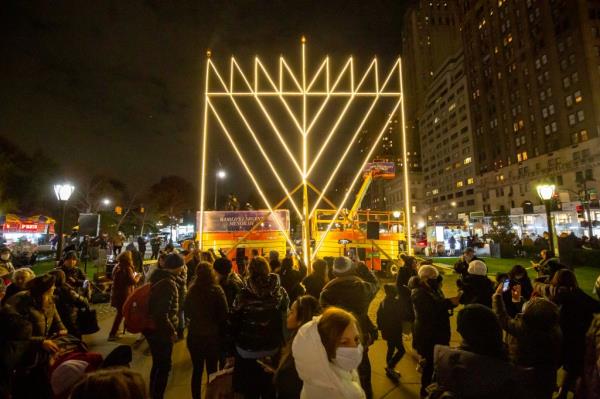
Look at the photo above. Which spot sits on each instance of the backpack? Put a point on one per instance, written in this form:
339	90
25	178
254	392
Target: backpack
136	310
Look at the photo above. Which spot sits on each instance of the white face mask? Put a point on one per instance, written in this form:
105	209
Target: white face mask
348	358
5	256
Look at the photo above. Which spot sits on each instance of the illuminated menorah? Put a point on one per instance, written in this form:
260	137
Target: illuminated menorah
303	88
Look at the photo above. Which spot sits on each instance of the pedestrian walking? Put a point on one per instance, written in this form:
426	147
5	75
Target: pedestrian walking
391	315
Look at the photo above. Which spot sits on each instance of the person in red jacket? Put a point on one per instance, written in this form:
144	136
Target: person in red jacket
124	280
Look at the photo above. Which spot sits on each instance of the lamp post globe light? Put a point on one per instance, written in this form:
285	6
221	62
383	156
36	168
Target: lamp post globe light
106	202
546	193
63	193
220	175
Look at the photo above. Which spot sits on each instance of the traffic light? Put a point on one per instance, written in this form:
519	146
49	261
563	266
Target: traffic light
118	210
141	209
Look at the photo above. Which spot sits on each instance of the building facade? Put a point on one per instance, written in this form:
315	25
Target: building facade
447	144
430	34
533	72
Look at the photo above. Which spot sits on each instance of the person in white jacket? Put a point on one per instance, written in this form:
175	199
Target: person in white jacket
327	351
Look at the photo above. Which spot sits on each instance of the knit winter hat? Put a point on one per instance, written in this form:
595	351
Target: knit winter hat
477	268
222	266
67	375
342	264
173	261
428	272
480	329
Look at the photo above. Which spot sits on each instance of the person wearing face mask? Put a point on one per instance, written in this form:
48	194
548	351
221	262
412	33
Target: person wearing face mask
327	352
432	319
462	265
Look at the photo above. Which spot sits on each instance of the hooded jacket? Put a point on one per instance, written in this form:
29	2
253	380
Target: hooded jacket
258	315
321	378
164	302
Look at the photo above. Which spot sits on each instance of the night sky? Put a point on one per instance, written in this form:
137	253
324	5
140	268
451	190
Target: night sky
115	87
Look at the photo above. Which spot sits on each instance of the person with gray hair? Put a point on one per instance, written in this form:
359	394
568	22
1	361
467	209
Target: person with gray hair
432	318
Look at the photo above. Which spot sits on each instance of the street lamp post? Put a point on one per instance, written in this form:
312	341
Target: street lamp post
63	193
546	192
221	174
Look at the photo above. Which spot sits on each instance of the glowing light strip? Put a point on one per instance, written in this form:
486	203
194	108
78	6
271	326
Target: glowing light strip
306	238
314	79
285	64
273	126
341	117
285	104
407	207
253	134
204	143
241	158
309	94
349	146
358	174
339	78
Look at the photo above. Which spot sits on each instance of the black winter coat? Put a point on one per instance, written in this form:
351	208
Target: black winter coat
404	274
461	266
75	276
258	314
314	285
206	307
476	289
231	285
575	316
68	302
164	303
390	316
432	319
290	281
354	295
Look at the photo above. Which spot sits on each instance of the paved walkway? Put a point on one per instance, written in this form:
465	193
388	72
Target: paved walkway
179	382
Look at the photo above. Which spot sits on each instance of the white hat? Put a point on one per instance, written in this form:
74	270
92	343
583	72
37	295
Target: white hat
477	267
67	375
342	264
428	272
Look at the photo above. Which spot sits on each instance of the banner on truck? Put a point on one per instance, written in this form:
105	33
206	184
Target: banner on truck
232	221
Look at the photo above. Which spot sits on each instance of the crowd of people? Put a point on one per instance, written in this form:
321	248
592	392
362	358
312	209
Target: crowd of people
280	332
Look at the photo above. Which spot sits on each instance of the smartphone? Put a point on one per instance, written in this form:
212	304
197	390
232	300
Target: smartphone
506	285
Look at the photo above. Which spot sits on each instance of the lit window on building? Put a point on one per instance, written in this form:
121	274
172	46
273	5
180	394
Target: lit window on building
467	160
470	180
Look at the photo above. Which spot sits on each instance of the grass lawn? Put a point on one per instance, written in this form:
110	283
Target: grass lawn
42	267
586	276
